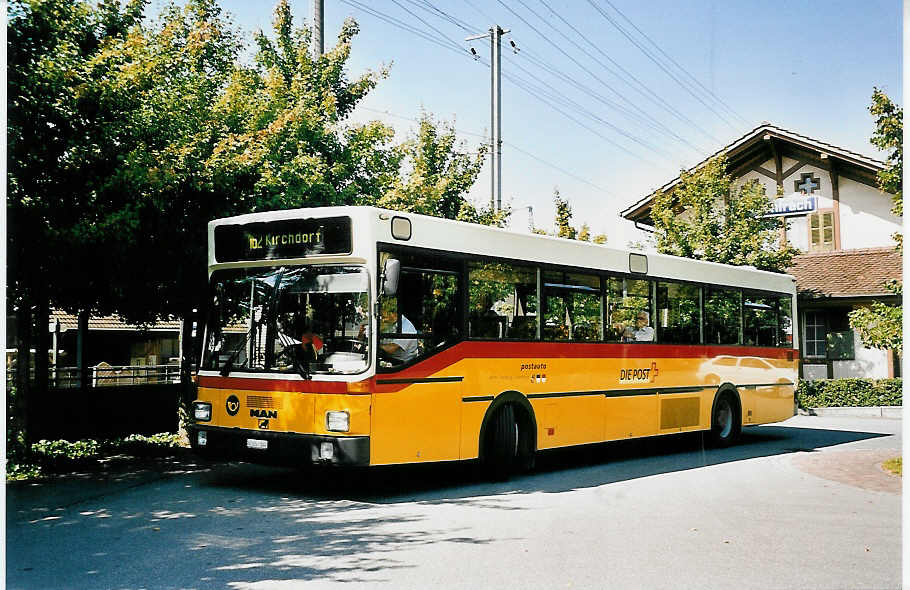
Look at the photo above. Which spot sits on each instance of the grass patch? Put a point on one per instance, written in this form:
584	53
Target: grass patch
61	456
895	466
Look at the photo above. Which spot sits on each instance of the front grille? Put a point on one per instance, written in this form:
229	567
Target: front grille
260	401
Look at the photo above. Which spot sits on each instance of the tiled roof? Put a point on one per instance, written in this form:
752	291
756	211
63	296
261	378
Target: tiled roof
71	322
846	273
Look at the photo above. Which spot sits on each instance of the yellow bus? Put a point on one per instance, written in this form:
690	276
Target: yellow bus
361	336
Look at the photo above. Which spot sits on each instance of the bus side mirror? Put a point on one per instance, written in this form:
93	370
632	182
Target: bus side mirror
390	276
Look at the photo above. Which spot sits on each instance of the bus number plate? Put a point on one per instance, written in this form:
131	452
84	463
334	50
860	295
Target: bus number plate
255	443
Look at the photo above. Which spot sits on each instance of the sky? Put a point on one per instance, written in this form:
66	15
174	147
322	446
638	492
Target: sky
607	99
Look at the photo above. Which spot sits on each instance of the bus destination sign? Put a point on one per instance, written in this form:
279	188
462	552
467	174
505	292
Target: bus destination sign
289	238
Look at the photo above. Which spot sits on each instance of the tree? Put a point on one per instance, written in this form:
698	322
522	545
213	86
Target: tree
880	325
437	174
563	220
888	136
287	144
127	137
57	154
705	217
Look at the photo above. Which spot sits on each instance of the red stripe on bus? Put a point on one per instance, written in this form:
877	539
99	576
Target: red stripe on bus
505	349
273	385
522	351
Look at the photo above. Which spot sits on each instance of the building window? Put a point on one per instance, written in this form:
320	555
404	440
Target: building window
828	335
815	335
821	231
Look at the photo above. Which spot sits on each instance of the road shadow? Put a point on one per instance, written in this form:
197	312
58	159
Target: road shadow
556	471
241	525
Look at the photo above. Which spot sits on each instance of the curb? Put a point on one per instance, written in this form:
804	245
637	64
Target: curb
893	412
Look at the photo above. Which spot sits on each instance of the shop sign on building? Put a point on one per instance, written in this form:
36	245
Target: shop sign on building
796	204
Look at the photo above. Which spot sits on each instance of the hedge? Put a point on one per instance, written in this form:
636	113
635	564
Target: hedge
826	393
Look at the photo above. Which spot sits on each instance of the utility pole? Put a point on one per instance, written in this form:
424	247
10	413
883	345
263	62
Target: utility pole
496	113
495	34
317	46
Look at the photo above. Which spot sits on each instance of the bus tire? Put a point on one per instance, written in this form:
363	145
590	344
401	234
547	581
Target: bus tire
726	421
501	447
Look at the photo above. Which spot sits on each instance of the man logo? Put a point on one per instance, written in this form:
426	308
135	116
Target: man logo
233	405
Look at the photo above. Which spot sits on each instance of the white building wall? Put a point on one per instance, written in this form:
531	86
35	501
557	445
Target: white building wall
768	183
866	220
798	232
868	363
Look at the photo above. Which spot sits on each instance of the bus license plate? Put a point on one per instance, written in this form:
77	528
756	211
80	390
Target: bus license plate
255	443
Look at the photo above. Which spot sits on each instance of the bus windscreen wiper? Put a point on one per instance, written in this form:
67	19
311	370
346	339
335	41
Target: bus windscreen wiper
229	364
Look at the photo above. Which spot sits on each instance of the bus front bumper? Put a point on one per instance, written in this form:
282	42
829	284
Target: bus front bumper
279	448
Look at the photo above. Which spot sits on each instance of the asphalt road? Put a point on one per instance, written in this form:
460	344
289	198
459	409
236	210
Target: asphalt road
801	504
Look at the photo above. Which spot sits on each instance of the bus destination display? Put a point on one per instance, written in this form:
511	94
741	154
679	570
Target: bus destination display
292	238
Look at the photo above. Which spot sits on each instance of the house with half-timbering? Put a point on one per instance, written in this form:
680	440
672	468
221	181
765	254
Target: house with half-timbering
837	216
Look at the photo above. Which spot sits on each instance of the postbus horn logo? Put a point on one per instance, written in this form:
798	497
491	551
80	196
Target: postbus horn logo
233	405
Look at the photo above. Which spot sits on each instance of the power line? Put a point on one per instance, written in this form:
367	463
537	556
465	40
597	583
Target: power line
488	18
674	62
642	88
438	32
648	121
657	62
430	7
558	97
642	115
519	83
535	93
486	138
402	25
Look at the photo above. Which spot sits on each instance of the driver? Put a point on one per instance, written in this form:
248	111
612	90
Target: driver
309	342
400	349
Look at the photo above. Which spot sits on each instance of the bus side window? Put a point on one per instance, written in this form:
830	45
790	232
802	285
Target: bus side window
425	309
502	301
572	308
722	315
630	310
678	313
785	321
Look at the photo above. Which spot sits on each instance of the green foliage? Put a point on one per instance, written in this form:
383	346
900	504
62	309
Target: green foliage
895	465
880	325
707	218
59	147
888	136
564	228
824	393
440	172
59	456
285	142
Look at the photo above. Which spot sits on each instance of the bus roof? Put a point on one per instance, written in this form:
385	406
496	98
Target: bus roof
469	238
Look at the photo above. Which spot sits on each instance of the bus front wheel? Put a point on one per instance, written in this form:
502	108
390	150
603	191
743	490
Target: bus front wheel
726	424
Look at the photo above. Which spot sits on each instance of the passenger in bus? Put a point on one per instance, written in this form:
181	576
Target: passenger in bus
640	331
484	321
643	332
399	349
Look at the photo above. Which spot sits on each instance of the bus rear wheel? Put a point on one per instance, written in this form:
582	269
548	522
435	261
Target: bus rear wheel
501	448
725	421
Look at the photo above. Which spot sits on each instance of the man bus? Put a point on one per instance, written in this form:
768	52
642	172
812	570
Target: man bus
360	336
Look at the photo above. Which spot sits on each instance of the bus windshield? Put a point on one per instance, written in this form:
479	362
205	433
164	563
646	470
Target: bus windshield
300	319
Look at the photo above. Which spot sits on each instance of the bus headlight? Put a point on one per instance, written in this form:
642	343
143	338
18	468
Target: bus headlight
337	421
202	411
